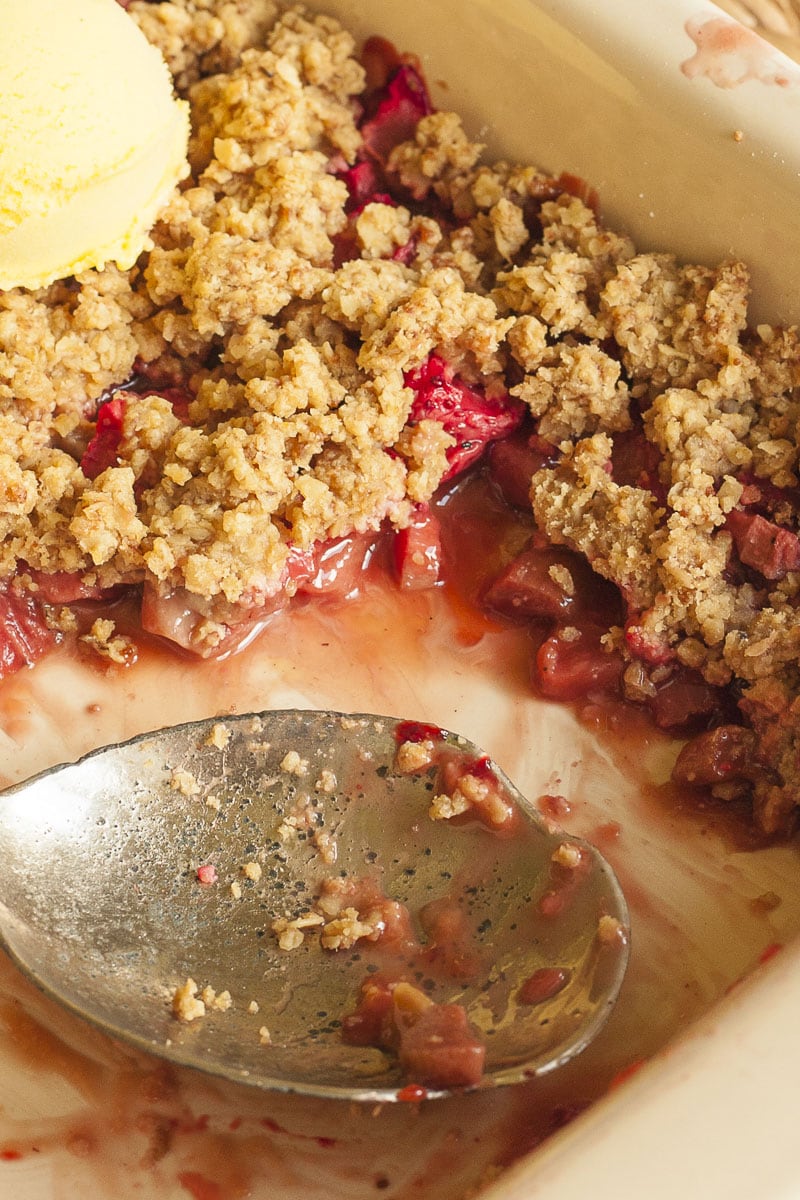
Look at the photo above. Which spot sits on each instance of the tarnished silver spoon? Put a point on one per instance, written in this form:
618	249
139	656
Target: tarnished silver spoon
252	895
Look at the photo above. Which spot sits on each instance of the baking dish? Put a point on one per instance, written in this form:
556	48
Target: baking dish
686	159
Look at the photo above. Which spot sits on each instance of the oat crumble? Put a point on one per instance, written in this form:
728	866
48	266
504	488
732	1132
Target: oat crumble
184	782
190	1003
258	361
218	736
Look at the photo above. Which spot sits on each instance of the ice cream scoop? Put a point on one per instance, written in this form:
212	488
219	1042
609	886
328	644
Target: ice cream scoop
343	905
92	138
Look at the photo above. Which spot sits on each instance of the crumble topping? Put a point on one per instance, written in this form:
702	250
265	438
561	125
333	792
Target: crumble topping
114	647
199	425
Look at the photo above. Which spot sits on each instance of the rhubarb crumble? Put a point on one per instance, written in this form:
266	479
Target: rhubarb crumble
348	306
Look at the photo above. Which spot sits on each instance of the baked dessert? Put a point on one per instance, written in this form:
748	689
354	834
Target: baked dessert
346	310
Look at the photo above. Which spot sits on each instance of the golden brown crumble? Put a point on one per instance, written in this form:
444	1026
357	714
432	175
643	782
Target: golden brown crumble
218	736
294	366
189	1003
412	757
184	782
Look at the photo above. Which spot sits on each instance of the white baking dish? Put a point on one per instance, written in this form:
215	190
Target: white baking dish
682	163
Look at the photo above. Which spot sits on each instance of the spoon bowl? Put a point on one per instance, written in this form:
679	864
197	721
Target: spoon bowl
223	893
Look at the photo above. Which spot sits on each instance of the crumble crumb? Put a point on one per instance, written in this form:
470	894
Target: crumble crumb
412	757
219	1001
253	1008
264	1036
293	764
562	576
184	782
186	1005
114	647
218	736
291	933
610	931
351	724
252	871
327	782
567	855
343	931
444	806
326	845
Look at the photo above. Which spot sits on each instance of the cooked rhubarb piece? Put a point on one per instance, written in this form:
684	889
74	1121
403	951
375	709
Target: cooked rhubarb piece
434	1043
418	552
512	462
574	663
24	634
685	699
551	583
763	545
439	1049
721	755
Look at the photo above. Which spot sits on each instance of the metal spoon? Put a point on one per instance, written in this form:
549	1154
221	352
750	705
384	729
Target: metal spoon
169	857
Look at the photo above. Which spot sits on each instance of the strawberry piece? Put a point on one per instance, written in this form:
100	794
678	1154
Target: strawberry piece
646	645
404	102
102	449
467	414
417	731
363	183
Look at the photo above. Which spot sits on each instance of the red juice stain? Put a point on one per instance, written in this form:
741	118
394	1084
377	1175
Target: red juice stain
200	1186
417	731
626	1073
607	833
555	807
412	1093
274	1127
552	903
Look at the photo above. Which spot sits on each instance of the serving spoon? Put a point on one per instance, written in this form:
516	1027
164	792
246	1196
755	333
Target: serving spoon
177	890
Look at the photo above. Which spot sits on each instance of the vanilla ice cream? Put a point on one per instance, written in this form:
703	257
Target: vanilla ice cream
92	138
